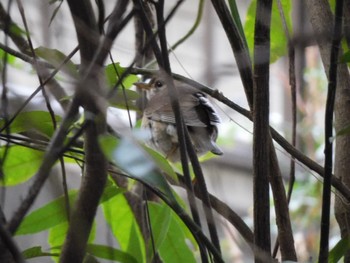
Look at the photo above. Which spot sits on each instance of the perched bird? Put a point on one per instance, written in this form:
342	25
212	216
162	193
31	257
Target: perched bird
198	114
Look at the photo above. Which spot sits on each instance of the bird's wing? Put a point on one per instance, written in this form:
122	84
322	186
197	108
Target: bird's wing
196	108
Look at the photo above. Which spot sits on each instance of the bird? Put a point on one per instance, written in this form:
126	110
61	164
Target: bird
198	113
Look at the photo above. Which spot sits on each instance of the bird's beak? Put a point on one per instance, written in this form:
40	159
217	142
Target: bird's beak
142	85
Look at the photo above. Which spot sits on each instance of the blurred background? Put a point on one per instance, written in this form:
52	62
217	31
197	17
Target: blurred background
207	58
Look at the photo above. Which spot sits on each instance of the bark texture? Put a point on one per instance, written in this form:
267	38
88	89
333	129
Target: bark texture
322	19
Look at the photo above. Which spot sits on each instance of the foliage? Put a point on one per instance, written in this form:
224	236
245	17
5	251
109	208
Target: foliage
279	41
146	216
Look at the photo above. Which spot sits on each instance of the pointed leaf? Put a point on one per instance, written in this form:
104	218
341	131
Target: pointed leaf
345	58
160	216
339	250
20	165
35	252
161	162
130	156
127	101
279	42
113	73
39	121
46	217
124	226
174	248
344	131
56	58
54	212
110	253
57	236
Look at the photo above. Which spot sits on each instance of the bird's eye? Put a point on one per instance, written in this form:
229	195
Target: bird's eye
158	84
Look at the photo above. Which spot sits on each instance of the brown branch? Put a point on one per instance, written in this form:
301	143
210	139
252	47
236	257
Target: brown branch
241	54
321	19
53	152
55	88
328	152
342	190
163	61
261	106
90	92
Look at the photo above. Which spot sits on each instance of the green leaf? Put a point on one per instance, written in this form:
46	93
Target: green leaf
174	248
110	253
110	191
46	217
161	162
20	165
54	212
57	236
345	58
130	156
344	131
38	121
10	58
160	215
56	58
237	19
121	102
16	30
35	252
339	250
279	42
113	73
124	226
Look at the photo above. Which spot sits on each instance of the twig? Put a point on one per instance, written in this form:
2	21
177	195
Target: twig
261	106
292	83
241	54
193	28
184	139
52	154
37	90
57	91
90	93
302	158
24	57
163	62
328	162
47	101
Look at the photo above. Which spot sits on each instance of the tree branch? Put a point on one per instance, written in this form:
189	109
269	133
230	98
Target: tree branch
91	94
261	103
328	163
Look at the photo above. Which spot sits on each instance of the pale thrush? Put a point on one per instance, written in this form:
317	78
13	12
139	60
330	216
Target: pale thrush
198	113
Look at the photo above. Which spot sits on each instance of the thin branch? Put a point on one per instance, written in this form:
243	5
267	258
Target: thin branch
51	156
302	158
24	57
47	101
328	162
57	91
192	226
241	54
90	92
292	83
193	28
261	106
238	46
183	136
4	99
7	240
38	89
